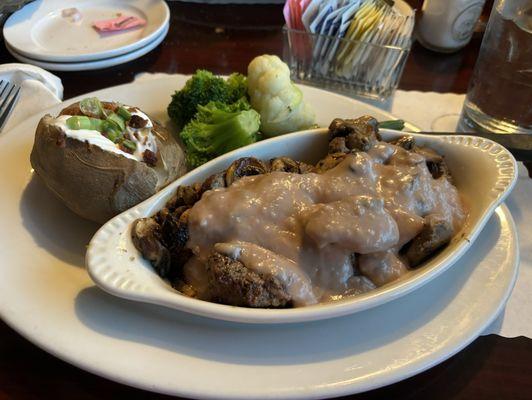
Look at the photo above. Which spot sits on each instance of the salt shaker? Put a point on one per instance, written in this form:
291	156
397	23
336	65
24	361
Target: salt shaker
447	25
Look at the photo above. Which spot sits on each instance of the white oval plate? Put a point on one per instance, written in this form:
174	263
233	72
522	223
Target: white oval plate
90	65
484	172
47	296
38	31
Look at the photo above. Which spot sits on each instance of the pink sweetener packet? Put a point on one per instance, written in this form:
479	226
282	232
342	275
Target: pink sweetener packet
287	14
297	15
118	24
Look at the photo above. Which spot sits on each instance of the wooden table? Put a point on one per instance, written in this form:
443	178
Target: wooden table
224	39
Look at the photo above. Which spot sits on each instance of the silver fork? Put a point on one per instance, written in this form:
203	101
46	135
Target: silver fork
8	99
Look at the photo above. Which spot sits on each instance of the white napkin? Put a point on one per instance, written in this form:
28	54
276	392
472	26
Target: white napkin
39	89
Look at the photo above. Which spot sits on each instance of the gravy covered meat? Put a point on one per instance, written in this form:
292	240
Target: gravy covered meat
284	233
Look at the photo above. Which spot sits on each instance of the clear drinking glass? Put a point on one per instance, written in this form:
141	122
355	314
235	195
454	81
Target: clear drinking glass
499	98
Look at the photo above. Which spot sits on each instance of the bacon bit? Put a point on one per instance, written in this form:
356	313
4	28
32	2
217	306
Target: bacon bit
125	149
137	122
149	158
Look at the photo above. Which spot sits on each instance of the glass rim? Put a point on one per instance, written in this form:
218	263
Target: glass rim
407	48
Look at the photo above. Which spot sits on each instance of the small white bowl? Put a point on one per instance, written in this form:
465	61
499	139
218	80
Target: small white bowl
483	171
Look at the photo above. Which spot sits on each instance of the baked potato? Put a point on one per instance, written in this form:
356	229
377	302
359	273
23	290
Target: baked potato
101	158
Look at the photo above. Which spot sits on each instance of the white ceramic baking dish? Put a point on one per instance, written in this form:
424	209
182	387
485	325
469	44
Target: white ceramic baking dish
483	171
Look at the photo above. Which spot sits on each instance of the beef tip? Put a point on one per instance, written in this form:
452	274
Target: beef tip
305	168
436	233
338	127
178	258
337	145
137	122
435	162
343	127
329	162
146	235
406	142
230	282
246	166
149	157
360	141
286	164
360	134
213	182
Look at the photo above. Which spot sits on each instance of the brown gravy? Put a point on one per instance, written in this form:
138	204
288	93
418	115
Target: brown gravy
305	228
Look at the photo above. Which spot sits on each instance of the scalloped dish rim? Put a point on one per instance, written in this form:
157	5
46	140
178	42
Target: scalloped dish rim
112	246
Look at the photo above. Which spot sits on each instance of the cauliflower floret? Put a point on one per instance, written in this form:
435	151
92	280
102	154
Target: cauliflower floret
279	102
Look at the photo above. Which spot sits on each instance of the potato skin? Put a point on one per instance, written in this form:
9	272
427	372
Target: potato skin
97	184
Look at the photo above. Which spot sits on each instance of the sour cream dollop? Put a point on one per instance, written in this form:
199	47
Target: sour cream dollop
142	137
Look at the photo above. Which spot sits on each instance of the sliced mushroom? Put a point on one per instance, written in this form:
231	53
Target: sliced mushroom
165	212
146	235
407	142
246	166
214	181
436	233
174	232
329	162
185	196
285	164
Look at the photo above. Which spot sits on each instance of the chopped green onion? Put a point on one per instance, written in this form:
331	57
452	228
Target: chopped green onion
123	113
117	121
78	122
92	107
82	122
395	124
129	144
113	135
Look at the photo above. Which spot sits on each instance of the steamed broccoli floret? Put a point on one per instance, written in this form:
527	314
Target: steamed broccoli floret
219	128
238	86
202	88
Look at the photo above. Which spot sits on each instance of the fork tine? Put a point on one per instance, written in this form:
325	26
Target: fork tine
6	98
5	112
4	88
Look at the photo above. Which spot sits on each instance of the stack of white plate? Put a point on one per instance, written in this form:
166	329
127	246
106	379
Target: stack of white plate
38	34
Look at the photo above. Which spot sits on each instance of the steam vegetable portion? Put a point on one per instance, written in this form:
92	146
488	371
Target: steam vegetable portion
219	128
280	103
202	88
215	115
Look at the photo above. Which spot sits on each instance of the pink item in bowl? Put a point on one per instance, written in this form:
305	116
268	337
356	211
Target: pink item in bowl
118	24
